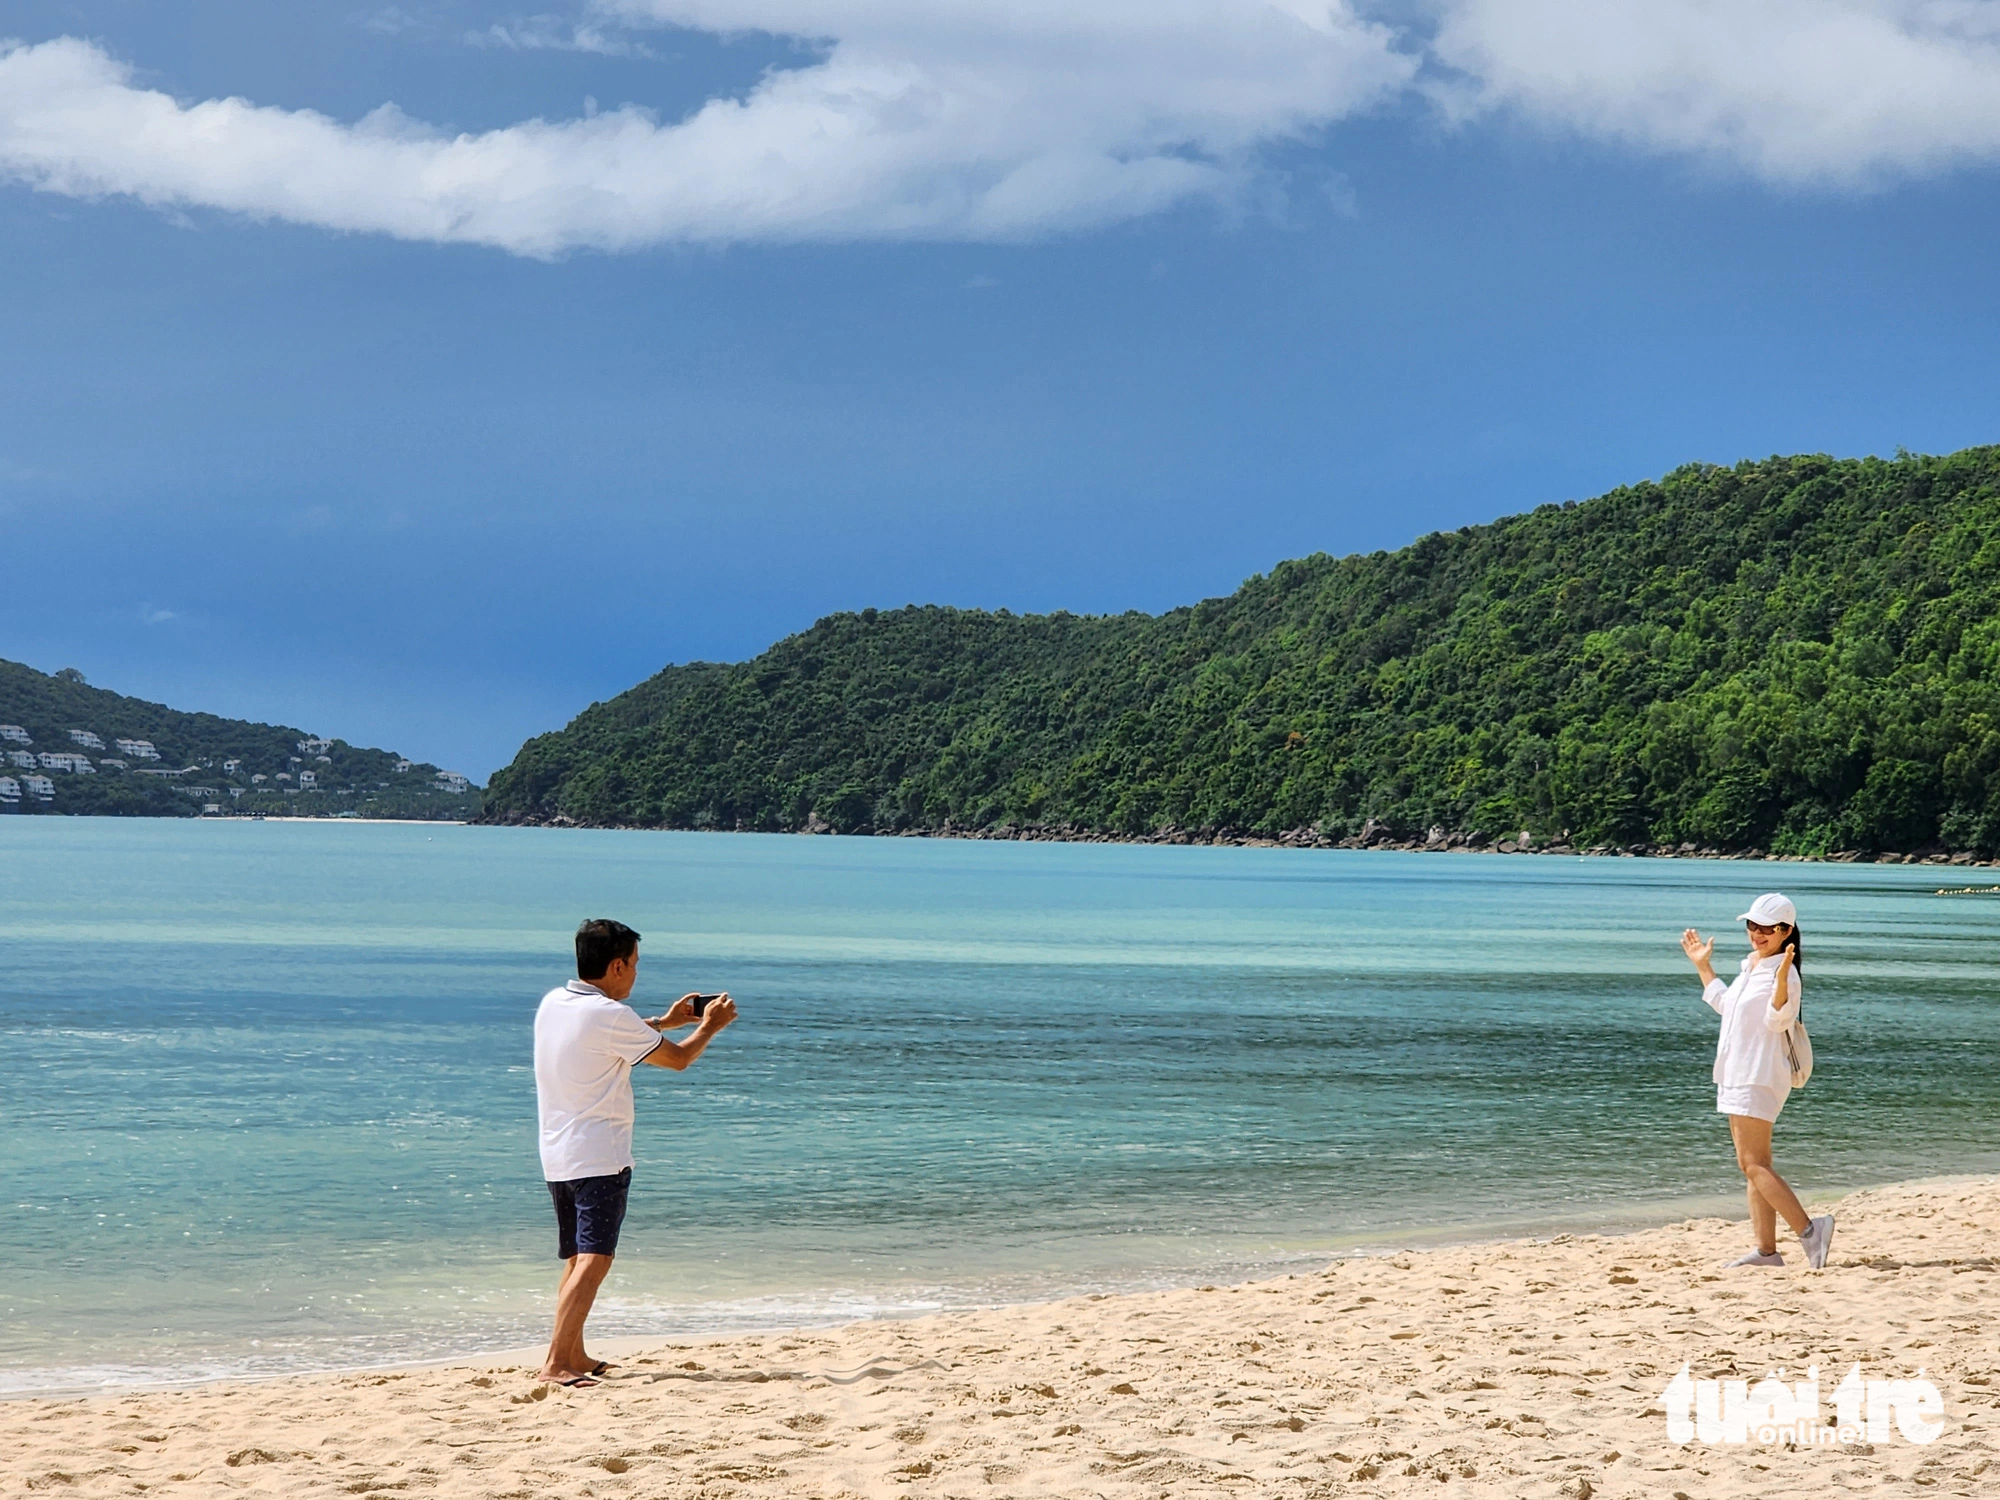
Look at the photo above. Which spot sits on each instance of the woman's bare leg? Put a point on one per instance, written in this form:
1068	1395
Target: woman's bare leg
1763	1219
1768	1194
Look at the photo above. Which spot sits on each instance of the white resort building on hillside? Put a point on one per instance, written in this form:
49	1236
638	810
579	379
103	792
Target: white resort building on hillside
39	787
85	738
451	781
138	749
10	789
25	759
15	733
62	760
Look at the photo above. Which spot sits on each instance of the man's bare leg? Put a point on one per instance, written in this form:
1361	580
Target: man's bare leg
590	1361
582	1276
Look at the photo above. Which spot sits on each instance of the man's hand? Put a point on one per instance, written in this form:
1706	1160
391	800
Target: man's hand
717	1014
680	1013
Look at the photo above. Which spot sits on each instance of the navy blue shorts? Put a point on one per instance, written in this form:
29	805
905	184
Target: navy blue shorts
588	1213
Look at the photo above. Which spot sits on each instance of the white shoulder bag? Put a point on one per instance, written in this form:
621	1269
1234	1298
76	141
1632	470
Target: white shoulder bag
1798	1048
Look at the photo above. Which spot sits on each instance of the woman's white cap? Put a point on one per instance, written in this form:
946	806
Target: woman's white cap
1771	909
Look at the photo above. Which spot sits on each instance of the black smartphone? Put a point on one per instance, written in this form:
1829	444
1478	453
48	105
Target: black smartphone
700	1003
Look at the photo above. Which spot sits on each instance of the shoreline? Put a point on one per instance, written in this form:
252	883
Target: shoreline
333	818
1499	1367
253	817
1605	1221
1296	838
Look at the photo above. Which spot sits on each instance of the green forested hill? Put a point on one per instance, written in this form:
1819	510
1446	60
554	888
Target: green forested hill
228	763
1801	655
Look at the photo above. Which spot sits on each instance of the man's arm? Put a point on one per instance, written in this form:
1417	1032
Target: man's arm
677	1055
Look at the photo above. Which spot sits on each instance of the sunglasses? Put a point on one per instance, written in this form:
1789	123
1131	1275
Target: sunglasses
1760	929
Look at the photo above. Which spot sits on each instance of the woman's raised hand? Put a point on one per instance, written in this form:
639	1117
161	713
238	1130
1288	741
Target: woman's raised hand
1699	952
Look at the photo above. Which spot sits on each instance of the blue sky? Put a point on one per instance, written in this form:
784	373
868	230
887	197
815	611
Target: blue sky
427	429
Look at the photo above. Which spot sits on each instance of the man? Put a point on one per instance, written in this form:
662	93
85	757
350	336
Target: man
586	1041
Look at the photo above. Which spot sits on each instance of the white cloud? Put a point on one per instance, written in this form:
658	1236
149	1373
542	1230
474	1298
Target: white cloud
546	33
391	20
949	119
1844	92
1006	119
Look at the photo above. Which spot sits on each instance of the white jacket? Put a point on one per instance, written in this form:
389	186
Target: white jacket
1751	1047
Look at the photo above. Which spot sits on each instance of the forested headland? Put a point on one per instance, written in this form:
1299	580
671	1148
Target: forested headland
1800	655
75	741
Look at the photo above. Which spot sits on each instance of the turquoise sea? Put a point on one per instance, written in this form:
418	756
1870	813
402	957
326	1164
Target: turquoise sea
266	1102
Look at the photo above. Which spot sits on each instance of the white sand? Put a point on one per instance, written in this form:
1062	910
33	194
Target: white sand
1509	1369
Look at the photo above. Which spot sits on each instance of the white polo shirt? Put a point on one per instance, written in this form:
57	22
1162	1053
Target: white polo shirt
585	1046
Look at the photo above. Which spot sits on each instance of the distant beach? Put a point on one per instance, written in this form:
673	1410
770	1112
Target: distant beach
332	818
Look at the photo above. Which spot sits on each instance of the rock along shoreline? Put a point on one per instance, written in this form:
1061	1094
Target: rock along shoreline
1372	837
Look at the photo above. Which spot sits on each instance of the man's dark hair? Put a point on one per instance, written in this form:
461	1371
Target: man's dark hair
600	943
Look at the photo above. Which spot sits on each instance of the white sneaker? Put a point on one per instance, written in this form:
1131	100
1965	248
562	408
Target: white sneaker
1759	1258
1817	1240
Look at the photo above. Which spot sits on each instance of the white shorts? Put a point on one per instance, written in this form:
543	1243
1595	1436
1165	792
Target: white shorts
1760	1101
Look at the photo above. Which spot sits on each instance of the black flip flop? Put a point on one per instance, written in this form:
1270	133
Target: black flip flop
578	1382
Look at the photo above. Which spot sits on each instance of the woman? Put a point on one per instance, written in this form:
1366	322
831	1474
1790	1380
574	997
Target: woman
1752	1073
